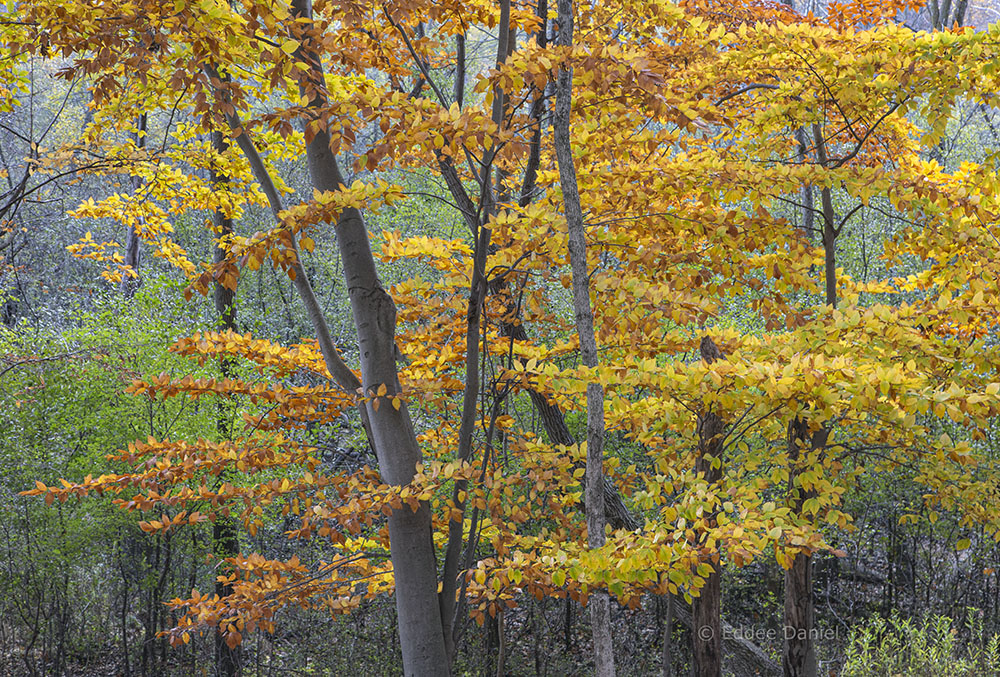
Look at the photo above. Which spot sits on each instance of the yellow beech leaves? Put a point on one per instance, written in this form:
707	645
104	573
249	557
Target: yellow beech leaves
695	129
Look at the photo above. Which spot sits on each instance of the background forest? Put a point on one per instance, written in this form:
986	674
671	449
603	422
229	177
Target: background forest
495	337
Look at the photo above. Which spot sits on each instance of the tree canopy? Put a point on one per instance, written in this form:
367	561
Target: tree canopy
727	160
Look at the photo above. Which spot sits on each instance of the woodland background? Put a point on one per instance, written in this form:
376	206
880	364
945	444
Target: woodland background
902	535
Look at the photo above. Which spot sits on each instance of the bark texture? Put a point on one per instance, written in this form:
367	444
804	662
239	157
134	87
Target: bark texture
799	655
743	658
667	646
706	609
411	546
600	603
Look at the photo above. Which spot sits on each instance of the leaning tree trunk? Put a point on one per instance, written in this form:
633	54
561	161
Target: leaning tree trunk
600	603
390	430
706	608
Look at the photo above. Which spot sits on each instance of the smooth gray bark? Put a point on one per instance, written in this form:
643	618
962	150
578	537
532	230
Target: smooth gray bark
391	430
600	604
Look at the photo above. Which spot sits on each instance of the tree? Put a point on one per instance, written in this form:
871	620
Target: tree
683	123
600	612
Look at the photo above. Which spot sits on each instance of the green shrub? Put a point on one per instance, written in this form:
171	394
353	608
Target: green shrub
900	647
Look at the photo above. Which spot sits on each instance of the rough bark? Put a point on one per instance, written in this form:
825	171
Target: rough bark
616	513
600	605
799	655
707	607
459	90
743	658
667	647
830	230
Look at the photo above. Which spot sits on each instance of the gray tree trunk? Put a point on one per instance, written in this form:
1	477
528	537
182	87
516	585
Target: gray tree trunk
393	438
390	430
600	604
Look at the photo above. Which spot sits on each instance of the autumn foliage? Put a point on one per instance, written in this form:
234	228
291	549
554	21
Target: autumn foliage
686	133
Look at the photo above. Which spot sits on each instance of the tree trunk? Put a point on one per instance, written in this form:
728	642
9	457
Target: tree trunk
390	430
130	280
600	603
667	647
743	657
477	292
706	608
225	537
799	656
393	438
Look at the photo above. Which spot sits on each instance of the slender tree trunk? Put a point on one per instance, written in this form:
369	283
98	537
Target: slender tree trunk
225	537
616	512
131	281
667	648
477	291
706	608
411	545
799	655
600	605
